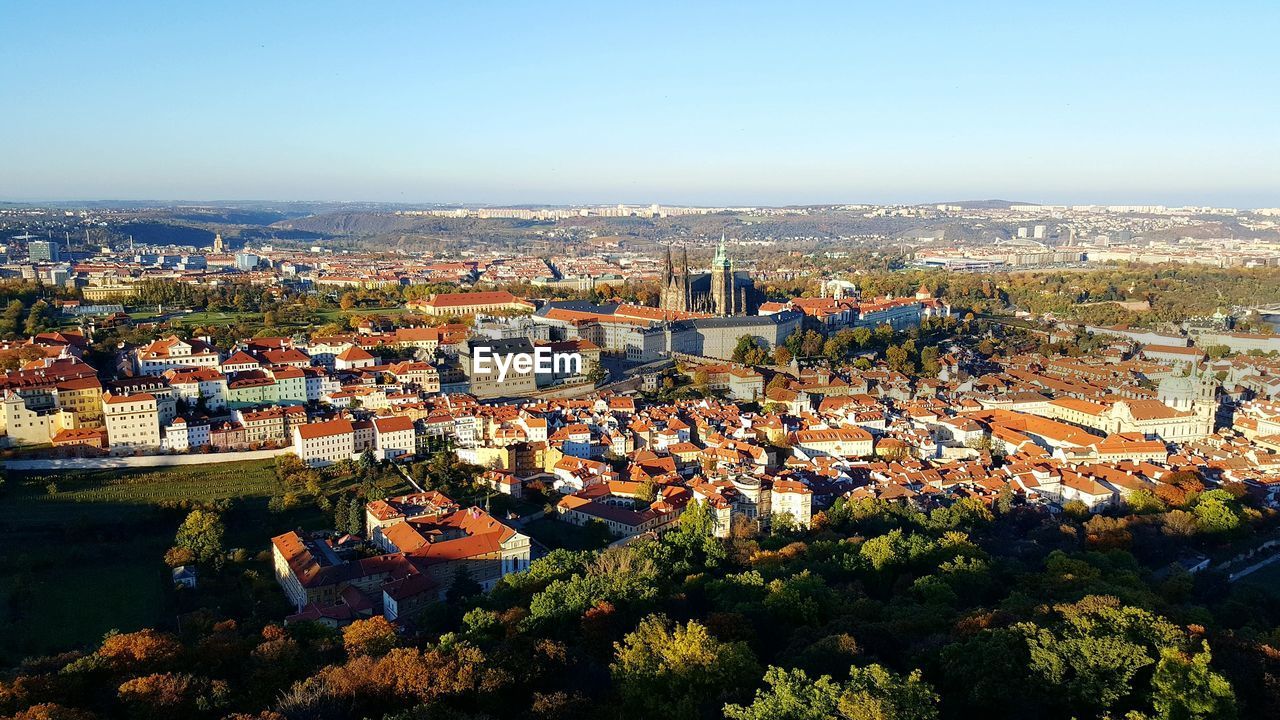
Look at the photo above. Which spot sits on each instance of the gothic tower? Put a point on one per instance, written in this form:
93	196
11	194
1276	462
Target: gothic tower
675	285
722	295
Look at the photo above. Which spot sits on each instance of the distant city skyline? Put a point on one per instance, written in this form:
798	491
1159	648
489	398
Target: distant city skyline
576	103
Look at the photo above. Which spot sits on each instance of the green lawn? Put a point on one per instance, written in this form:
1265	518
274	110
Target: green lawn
106	494
88	558
216	318
320	317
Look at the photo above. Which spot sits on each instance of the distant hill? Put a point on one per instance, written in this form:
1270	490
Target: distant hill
985	204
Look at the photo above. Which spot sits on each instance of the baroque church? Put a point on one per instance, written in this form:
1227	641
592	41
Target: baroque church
723	291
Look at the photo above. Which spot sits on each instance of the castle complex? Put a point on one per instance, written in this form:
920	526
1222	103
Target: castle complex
723	291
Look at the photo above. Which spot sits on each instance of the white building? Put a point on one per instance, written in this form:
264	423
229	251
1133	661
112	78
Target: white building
183	436
324	443
393	436
133	422
172	352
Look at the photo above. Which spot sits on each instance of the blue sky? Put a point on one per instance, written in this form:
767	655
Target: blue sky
735	103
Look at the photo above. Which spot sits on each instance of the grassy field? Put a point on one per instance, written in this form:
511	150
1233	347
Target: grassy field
88	558
321	317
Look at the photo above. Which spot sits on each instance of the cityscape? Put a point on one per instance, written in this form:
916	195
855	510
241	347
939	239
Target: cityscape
690	440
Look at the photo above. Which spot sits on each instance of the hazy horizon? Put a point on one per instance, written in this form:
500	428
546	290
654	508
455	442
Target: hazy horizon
576	103
606	203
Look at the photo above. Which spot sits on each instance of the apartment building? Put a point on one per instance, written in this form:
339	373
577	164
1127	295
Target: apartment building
133	422
324	443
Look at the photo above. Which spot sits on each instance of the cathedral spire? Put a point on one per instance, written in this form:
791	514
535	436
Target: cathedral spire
721	258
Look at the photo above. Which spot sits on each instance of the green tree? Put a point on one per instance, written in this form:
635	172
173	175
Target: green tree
1215	512
201	533
874	693
929	365
696	520
39	318
746	345
677	671
899	359
1184	688
12	319
1091	657
884	550
1217	352
791	695
648	490
870	693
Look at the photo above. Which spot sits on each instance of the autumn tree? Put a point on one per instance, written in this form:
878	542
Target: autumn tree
172	695
370	636
141	650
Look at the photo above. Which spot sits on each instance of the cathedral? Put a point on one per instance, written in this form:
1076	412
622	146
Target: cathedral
723	291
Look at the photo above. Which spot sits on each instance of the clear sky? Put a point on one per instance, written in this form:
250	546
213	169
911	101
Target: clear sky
692	102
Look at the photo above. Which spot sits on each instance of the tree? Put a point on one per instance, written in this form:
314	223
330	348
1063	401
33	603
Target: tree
1092	656
201	533
1215	512
874	693
1184	688
142	650
173	695
355	516
39	318
791	696
929	366
1217	352
899	359
701	379
12	319
884	550
870	693
648	490
347	301
1076	509
1004	501
696	520
1107	533
746	345
597	374
463	586
1142	502
670	670
371	636
53	711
